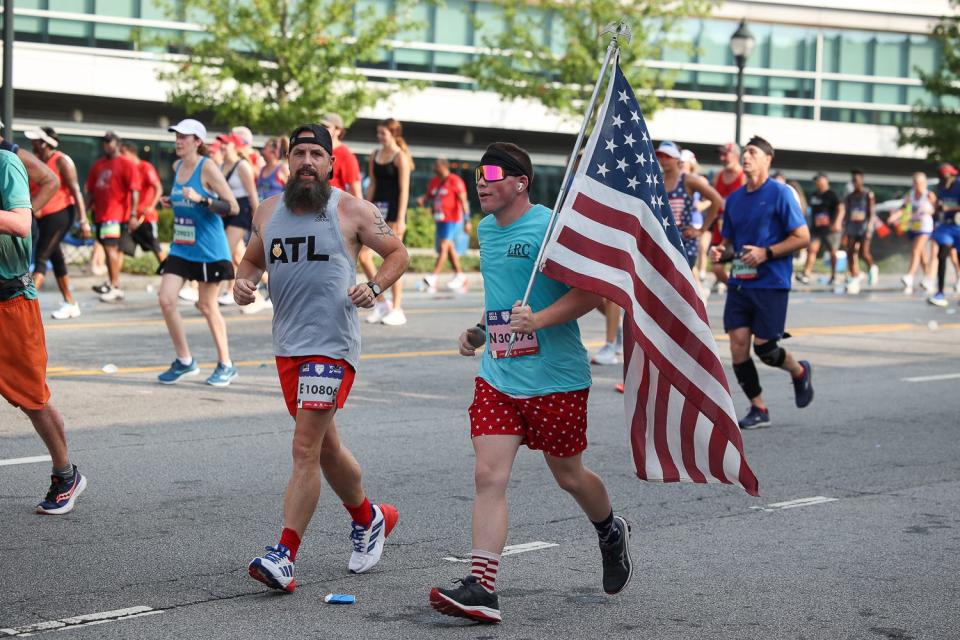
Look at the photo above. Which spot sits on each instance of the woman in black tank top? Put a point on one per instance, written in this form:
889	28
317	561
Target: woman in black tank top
389	170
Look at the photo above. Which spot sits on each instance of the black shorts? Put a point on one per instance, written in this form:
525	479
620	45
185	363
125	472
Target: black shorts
199	271
244	219
146	237
764	311
113	234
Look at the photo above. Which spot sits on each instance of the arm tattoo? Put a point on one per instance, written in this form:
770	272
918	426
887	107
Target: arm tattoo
383	229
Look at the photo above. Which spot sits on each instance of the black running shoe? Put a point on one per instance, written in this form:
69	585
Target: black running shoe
101	288
803	388
469	600
617	566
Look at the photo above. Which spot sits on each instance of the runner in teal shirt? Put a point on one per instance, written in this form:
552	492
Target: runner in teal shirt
15	194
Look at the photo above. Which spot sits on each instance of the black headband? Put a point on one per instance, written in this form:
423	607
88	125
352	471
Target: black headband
320	136
503	159
763	145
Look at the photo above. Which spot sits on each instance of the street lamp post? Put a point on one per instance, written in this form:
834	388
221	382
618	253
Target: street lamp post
741	44
8	68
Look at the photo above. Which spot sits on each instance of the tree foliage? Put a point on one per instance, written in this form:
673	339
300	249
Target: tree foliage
551	52
935	125
274	64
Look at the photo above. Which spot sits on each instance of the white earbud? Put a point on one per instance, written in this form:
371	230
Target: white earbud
519	187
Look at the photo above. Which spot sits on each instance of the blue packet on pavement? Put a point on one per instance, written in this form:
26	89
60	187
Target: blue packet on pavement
339	598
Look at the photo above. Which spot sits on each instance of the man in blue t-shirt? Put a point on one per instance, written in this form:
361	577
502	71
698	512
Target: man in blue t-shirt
533	392
762	228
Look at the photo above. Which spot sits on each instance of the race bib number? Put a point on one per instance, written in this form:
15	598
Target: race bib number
498	335
743	271
109	230
184	231
384	208
821	220
858	215
916	225
438	214
319	385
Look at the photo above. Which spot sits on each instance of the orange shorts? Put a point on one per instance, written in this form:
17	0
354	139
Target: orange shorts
23	354
555	423
316	383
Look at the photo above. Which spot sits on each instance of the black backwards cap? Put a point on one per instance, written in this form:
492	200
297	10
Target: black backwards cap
761	144
320	136
495	155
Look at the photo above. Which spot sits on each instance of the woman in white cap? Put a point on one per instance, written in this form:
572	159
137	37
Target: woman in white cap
200	198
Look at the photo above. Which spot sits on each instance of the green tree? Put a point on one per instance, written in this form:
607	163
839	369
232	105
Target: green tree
934	124
551	51
274	64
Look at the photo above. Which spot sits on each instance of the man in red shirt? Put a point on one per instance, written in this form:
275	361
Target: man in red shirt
143	226
447	197
727	180
346	169
113	193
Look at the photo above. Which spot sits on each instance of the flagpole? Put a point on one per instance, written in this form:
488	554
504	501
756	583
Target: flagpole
617	30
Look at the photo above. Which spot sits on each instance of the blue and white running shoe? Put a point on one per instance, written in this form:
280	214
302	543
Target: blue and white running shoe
222	375
62	495
274	569
177	370
368	541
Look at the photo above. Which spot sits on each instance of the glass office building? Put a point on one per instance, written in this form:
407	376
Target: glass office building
836	67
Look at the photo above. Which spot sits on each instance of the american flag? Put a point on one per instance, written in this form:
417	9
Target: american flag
615	236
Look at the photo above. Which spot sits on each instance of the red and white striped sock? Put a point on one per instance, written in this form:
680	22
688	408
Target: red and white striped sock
484	568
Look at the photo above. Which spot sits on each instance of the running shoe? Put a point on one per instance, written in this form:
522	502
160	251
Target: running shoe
222	375
606	355
274	569
928	285
458	282
189	294
803	278
178	370
853	287
618	387
757	418
226	300
907	282
66	311
617	565
873	275
430	283
395	318
114	294
62	495
803	387
938	300
380	310
368	541
469	600
101	288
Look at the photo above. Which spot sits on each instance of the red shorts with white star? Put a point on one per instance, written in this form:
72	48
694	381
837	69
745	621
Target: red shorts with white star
555	423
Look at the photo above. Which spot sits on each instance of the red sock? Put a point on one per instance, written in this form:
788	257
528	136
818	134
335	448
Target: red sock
291	540
484	567
362	514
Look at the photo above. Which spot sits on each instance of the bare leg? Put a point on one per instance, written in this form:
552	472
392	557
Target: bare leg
211	311
49	425
340	468
812	252
612	313
170	285
303	489
584	485
97	257
237	247
853	259
494	460
397	288
114	265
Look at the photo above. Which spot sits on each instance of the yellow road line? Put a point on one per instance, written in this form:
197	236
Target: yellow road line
66	372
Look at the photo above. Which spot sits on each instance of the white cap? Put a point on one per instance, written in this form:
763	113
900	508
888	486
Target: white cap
245	135
190	127
40	134
687	156
669	149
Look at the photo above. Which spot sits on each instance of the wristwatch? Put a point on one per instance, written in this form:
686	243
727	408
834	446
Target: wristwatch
769	253
375	288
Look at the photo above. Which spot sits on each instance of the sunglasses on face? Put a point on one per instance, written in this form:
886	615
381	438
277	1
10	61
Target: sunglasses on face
491	173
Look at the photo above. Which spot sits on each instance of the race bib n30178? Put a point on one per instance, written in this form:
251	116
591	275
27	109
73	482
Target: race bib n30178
498	334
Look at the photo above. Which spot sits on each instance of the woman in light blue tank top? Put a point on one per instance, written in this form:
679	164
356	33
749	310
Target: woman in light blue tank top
200	197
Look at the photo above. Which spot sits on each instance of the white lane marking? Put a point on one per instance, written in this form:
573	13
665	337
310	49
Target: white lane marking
420	396
944	376
79	621
30	460
793	504
512	549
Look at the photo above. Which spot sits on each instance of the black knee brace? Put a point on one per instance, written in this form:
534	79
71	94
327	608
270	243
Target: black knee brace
770	353
747	378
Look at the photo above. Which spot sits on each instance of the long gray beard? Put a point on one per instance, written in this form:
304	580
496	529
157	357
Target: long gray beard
307	196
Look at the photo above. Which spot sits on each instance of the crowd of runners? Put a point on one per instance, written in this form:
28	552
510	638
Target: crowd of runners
289	227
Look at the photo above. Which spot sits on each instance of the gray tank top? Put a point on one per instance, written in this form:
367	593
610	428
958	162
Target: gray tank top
310	271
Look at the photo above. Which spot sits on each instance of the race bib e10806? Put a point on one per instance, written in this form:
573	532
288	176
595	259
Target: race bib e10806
319	384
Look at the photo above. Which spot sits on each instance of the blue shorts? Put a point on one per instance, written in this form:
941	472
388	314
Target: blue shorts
947	235
447	231
913	235
764	311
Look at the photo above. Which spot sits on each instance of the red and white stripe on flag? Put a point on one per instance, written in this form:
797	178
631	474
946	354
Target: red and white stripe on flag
683	426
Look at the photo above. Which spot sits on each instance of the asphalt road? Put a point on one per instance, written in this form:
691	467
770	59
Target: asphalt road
185	487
